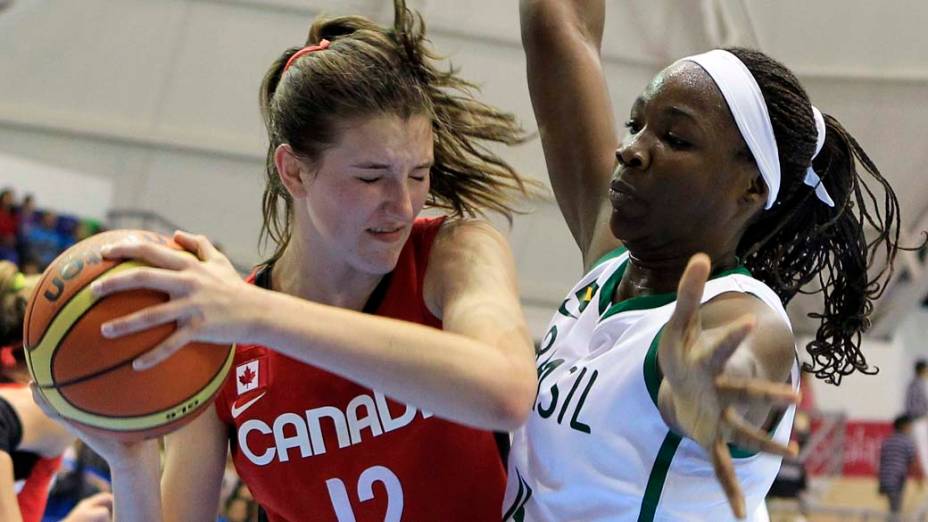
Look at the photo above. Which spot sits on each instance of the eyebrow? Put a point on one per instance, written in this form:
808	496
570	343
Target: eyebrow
679	111
370	165
373	165
674	110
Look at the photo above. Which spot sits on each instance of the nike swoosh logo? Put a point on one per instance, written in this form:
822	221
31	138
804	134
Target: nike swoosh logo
238	410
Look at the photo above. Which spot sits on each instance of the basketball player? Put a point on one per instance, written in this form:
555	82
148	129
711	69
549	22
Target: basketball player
665	363
347	400
31	443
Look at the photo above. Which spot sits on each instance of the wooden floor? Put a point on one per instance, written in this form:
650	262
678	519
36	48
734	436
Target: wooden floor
848	493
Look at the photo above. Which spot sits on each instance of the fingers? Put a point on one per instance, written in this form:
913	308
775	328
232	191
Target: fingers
199	245
689	290
167	348
747	390
144	319
167	281
750	438
104	500
97	508
725	341
725	472
151	253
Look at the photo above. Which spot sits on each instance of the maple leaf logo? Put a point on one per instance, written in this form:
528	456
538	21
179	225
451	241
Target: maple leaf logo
246	377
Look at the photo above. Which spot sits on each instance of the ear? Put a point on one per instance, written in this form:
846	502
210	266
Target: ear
290	169
754	197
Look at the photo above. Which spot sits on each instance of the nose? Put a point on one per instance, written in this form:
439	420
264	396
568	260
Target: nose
398	200
633	152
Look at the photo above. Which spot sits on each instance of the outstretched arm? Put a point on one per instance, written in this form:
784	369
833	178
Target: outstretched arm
562	40
720	384
479	370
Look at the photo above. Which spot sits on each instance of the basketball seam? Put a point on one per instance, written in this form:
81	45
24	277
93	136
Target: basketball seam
151	425
83	408
71	325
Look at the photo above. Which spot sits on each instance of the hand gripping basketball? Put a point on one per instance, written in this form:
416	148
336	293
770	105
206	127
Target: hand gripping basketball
208	299
89	379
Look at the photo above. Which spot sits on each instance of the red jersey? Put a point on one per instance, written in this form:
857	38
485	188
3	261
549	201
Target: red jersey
311	445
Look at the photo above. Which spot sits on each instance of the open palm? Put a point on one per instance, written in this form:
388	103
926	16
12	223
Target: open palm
693	360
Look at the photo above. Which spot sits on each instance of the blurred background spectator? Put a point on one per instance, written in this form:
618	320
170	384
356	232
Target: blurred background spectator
8	227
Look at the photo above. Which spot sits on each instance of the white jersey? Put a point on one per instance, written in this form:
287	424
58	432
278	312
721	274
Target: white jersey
596	447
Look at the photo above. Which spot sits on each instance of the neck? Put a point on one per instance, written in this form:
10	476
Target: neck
652	272
321	279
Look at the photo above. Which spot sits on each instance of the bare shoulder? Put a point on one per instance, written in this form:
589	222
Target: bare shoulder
475	239
468	256
772	342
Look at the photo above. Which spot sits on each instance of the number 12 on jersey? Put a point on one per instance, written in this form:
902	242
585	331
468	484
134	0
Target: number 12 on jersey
342	504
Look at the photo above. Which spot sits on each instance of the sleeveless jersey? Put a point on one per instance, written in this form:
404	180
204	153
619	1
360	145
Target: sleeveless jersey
311	445
595	447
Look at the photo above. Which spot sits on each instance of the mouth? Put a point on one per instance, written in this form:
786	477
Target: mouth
621	194
621	187
387	233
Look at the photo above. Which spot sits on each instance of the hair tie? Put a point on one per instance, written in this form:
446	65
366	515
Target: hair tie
309	49
812	178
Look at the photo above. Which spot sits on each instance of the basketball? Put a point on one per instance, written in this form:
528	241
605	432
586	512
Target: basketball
89	379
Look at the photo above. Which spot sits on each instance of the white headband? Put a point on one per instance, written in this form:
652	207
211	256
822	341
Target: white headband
747	106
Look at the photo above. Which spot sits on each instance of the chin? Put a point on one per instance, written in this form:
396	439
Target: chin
380	263
625	228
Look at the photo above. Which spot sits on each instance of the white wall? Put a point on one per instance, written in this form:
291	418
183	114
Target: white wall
64	191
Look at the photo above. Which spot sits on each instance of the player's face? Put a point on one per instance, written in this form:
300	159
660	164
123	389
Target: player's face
369	188
682	166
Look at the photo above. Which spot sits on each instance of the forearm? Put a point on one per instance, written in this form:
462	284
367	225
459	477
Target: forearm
192	492
453	375
562	41
137	490
542	20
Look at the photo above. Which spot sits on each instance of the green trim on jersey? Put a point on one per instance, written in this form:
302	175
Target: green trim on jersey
643	302
653	376
612	254
652	371
652	492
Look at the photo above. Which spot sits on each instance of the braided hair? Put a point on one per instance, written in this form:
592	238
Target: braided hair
801	241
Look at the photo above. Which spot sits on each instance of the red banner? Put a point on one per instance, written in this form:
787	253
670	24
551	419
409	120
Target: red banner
862	442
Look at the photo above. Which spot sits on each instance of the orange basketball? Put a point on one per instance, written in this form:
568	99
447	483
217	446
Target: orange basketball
89	379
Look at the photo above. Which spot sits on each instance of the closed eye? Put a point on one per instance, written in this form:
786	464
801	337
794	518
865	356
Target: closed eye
421	172
677	142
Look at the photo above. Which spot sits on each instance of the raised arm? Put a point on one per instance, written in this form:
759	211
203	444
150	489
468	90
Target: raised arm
562	40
